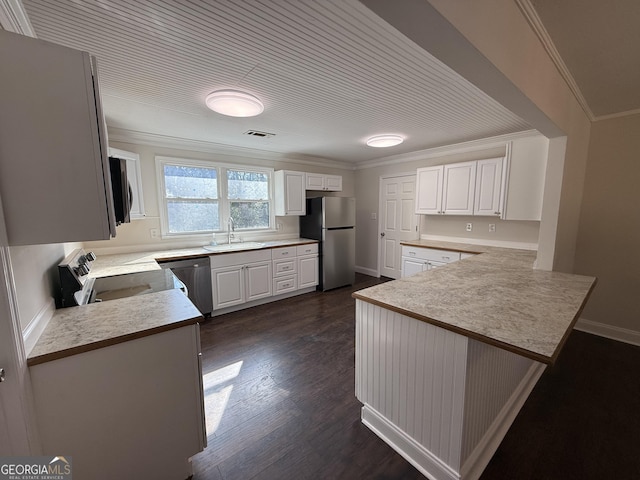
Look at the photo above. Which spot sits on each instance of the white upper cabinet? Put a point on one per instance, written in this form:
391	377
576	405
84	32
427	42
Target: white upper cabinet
135	181
446	189
327	183
290	193
526	175
54	172
429	190
459	188
489	187
509	187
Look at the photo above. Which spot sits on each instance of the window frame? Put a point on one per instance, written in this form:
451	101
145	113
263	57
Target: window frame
224	203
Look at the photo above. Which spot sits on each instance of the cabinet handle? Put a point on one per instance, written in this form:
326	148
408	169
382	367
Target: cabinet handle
497	213
412	254
446	258
285	253
1	375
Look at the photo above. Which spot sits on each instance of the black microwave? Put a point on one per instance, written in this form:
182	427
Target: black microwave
121	189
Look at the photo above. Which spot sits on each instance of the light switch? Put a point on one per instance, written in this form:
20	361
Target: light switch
374	216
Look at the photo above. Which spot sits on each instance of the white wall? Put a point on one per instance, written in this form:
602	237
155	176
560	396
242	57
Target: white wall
136	235
367	202
36	277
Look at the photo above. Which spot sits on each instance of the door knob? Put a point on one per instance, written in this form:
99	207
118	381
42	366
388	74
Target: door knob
382	234
1	375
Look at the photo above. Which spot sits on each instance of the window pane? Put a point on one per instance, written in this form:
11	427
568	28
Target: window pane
192	216
248	215
247	185
190	182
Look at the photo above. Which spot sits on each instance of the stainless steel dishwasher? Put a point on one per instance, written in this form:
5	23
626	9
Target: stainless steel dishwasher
195	273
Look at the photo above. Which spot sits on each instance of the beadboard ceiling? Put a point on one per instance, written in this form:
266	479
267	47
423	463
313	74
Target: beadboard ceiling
329	73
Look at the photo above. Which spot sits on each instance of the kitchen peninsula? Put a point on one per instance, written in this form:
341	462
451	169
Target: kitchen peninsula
446	358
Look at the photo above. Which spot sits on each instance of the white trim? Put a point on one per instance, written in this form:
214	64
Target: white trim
456	148
479	458
156	140
14	18
617	115
482	241
414	453
367	271
36	326
222	200
538	28
608	331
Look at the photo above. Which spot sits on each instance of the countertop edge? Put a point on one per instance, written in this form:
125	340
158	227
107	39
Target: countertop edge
461	331
57	355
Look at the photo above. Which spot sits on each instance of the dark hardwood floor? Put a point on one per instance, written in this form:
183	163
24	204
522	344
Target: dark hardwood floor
279	394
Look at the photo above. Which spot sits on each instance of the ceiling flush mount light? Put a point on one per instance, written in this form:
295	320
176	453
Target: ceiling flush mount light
381	141
234	103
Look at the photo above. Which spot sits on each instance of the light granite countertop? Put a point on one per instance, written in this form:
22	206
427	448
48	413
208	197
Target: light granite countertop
120	263
88	327
495	297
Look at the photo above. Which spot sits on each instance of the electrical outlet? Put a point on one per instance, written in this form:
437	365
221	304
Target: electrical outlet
469	227
154	232
492	227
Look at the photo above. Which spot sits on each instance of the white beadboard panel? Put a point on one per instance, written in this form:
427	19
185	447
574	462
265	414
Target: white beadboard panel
493	375
330	74
413	374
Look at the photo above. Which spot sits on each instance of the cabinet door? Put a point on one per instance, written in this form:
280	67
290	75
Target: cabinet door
258	281
527	169
307	271
228	286
411	266
333	183
315	181
290	193
429	190
459	188
489	189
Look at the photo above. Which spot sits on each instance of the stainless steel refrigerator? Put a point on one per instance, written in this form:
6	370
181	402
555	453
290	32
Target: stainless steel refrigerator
331	221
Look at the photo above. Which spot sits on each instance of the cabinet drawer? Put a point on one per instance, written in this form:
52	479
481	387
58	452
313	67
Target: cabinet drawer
284	285
444	256
285	266
283	252
307	249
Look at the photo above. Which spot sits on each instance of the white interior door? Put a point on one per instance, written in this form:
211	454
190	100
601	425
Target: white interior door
398	221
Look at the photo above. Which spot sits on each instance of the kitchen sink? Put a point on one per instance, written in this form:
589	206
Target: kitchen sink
234	246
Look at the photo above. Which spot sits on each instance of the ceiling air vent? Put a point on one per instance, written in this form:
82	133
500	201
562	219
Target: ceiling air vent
258	134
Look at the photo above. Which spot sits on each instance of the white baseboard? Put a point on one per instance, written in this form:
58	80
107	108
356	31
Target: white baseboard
367	271
475	464
608	331
414	453
36	326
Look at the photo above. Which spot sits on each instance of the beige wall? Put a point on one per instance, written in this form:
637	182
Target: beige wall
136	235
498	29
609	232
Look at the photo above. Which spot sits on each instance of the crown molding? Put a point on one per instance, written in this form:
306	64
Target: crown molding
618	115
166	141
452	149
14	18
536	24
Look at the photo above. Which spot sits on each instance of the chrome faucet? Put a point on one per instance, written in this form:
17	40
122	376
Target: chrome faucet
231	226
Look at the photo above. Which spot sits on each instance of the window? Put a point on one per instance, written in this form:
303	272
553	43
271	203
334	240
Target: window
200	197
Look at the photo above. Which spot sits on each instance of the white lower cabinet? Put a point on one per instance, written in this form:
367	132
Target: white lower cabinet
130	410
307	271
420	259
255	275
237	278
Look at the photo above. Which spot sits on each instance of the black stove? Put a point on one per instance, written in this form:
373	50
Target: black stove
78	288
